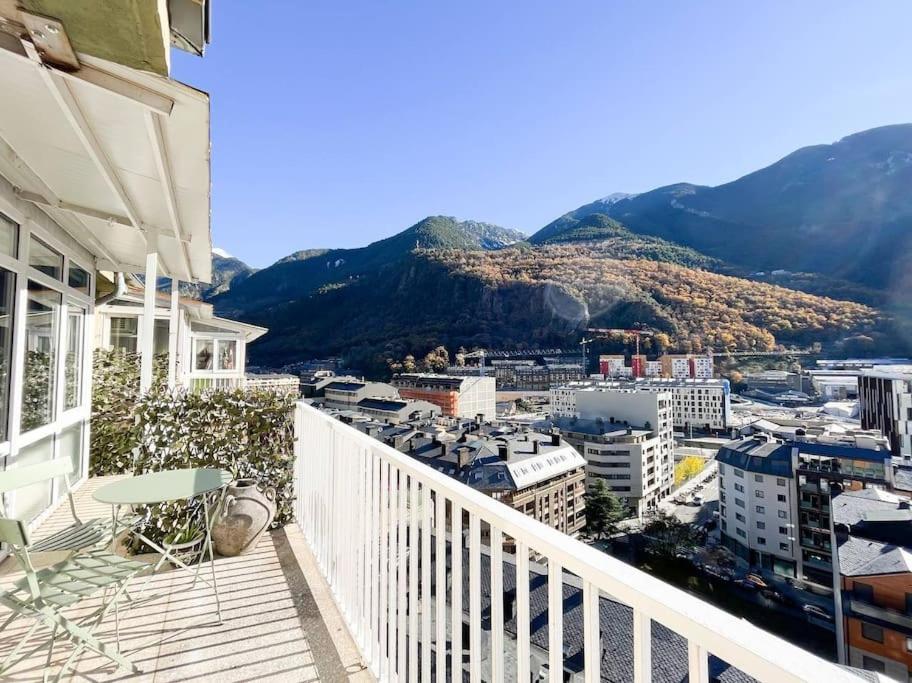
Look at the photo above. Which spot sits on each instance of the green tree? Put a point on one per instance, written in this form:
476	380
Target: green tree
604	511
666	535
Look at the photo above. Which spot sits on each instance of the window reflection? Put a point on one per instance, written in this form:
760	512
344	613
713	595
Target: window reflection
74	357
45	259
41	325
124	334
7	296
204	353
227	355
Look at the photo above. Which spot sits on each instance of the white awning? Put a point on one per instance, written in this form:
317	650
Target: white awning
118	157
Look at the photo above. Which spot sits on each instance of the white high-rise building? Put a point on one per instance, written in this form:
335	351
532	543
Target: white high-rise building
703	404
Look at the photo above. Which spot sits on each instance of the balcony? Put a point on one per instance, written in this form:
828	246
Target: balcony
865	610
387	577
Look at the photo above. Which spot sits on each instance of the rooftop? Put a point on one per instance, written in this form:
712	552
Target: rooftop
758	455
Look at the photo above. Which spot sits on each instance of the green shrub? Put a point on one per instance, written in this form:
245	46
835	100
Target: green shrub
250	434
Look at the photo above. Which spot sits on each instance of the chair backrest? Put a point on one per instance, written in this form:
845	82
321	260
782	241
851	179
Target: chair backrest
14	532
20	477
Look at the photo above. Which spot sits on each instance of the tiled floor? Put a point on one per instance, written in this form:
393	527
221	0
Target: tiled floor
279	621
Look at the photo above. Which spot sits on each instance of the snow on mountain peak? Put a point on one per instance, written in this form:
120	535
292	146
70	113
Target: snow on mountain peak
221	252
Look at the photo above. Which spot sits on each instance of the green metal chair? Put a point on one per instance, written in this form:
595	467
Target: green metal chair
44	594
78	535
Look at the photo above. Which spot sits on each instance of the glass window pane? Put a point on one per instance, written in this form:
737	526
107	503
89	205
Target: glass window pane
160	337
9	236
227	354
41	325
124	334
79	278
70	441
7	296
33	500
203	354
74	357
45	259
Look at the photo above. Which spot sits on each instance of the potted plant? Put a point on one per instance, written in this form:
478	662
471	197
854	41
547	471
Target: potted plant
186	543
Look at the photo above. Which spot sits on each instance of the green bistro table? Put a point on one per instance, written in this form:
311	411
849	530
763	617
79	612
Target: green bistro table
165	487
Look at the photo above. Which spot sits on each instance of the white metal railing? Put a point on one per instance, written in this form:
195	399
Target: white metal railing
372	516
215	382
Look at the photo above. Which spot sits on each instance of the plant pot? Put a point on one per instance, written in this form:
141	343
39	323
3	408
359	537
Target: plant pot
243	517
187	552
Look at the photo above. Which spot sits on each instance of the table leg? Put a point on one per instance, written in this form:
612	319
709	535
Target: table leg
115	514
209	523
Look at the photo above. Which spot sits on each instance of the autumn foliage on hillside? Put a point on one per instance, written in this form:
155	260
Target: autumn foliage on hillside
698	309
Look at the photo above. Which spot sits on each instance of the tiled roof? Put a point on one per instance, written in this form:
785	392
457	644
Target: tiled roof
863	557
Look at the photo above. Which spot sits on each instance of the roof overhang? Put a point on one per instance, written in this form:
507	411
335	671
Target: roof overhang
118	157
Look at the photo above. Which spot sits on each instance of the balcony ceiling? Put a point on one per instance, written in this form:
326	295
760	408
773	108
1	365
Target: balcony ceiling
118	157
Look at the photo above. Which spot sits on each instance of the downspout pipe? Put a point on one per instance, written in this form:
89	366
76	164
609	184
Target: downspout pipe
120	288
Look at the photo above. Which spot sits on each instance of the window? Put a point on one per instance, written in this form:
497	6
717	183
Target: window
75	343
780	481
908	644
227	354
758	478
761	540
784	547
161	337
783	514
739	502
761	525
864	591
7	296
739	474
761	510
739	488
124	334
45	259
79	279
724	525
741	533
780	498
203	355
783	530
721	468
739	517
9	237
39	386
872	632
759	493
871	664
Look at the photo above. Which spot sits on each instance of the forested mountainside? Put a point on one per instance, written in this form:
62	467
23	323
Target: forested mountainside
843	210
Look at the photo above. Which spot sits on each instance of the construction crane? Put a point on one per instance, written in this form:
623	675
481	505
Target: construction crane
480	355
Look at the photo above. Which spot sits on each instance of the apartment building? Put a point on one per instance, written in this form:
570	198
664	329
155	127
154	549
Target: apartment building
703	404
687	366
612	366
457	396
873	531
885	401
396	411
627	440
776	497
758	503
540	475
346	393
289	385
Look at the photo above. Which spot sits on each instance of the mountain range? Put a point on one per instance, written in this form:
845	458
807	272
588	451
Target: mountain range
812	249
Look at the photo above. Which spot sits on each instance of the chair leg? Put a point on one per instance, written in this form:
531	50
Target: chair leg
50	654
209	522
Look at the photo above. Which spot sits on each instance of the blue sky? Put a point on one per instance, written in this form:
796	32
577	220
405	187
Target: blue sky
338	123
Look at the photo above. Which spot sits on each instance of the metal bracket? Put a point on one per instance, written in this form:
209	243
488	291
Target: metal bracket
50	40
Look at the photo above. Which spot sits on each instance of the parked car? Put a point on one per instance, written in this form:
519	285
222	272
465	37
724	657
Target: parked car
717	572
745	584
815	612
757	580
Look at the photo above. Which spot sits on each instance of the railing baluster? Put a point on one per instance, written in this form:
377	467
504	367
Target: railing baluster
370	583
474	599
383	591
555	621
697	663
392	601
497	615
440	593
413	552
592	646
401	584
456	592
522	612
426	597
642	647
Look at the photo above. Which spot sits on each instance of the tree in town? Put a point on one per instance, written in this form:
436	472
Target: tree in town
604	511
437	360
666	535
688	468
408	364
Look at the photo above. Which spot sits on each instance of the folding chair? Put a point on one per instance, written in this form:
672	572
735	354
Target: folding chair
44	594
78	535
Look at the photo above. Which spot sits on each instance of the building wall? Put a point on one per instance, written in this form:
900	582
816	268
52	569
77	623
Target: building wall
756	511
448	401
558	502
477	397
885	403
